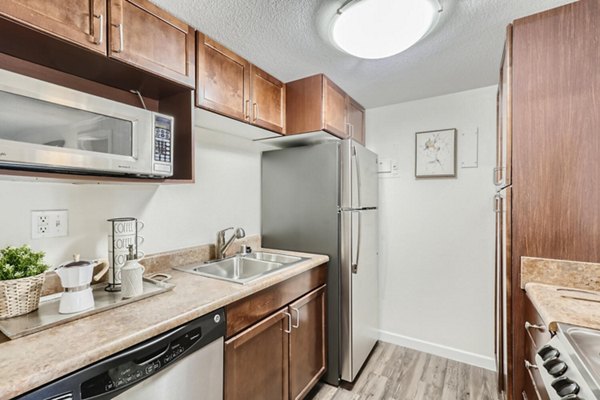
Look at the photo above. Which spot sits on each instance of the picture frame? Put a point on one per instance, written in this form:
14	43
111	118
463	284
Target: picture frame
435	153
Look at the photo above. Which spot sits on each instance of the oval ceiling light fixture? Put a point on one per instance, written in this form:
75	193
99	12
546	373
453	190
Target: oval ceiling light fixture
375	29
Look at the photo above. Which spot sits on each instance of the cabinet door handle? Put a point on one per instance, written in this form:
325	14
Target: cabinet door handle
529	326
289	317
297	311
101	24
255	110
247	110
121	41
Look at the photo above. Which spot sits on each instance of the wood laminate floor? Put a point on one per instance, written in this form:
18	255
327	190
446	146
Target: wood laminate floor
398	373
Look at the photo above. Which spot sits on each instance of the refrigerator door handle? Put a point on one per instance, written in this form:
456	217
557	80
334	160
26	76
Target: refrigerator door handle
498	203
358	187
355	264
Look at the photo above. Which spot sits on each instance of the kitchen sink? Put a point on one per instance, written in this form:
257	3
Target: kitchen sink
273	257
242	268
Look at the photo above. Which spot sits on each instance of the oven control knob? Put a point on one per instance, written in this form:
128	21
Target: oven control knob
565	386
555	367
547	352
571	397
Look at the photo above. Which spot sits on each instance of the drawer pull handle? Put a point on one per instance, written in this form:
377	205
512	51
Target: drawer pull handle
529	326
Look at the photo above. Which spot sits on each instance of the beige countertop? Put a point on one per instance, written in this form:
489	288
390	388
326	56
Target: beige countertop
563	291
34	360
563	304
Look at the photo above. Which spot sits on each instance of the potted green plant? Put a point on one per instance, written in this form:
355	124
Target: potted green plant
22	273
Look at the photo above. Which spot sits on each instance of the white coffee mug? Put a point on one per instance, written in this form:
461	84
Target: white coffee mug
126	227
116	261
122	242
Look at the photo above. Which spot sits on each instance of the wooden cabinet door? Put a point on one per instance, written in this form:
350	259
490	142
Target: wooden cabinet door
223	80
143	35
307	343
70	20
334	114
356	121
256	360
268	100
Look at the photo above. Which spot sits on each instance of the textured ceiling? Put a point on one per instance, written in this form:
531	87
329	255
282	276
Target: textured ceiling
283	37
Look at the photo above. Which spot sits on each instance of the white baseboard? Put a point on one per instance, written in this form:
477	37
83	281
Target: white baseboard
439	350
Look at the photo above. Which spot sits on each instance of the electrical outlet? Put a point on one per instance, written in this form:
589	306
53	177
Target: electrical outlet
49	223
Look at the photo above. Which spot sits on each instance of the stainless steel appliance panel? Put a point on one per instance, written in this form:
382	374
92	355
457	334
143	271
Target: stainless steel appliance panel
359	176
299	211
198	376
184	363
360	289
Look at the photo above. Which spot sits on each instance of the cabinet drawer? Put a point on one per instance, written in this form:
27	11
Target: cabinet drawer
535	328
249	310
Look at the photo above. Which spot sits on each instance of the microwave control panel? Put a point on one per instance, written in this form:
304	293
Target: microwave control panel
163	144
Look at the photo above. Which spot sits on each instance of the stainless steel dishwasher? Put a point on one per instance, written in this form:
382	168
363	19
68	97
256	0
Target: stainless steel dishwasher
185	363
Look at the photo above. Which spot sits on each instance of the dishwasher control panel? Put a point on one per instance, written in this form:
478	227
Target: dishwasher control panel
136	370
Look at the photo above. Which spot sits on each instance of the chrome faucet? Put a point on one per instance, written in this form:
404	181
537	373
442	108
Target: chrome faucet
222	245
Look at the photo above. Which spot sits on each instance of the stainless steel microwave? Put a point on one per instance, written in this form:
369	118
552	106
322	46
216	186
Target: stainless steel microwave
44	126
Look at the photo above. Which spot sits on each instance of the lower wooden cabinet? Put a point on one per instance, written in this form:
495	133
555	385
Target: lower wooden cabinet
307	343
281	357
256	360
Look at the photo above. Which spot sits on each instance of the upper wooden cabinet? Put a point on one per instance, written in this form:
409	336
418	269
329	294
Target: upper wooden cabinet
334	111
222	80
229	85
82	22
316	103
147	37
356	120
268	100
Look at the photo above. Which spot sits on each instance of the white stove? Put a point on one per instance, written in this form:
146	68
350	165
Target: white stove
570	364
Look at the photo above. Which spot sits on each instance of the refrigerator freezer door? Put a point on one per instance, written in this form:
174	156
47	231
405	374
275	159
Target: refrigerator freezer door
360	294
359	176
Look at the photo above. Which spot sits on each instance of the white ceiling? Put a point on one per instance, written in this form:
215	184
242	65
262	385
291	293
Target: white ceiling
283	37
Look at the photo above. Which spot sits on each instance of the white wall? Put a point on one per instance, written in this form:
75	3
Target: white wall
226	193
437	235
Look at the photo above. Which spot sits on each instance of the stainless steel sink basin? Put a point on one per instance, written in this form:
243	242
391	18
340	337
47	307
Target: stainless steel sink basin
242	269
274	257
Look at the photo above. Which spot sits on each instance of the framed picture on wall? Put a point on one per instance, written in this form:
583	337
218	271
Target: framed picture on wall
435	154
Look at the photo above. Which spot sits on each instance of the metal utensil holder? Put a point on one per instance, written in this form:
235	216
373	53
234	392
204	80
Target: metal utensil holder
114	286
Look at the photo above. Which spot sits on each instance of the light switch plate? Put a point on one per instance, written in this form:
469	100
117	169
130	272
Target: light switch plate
49	223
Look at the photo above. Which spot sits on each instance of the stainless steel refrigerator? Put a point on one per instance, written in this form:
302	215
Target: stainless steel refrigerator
323	199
